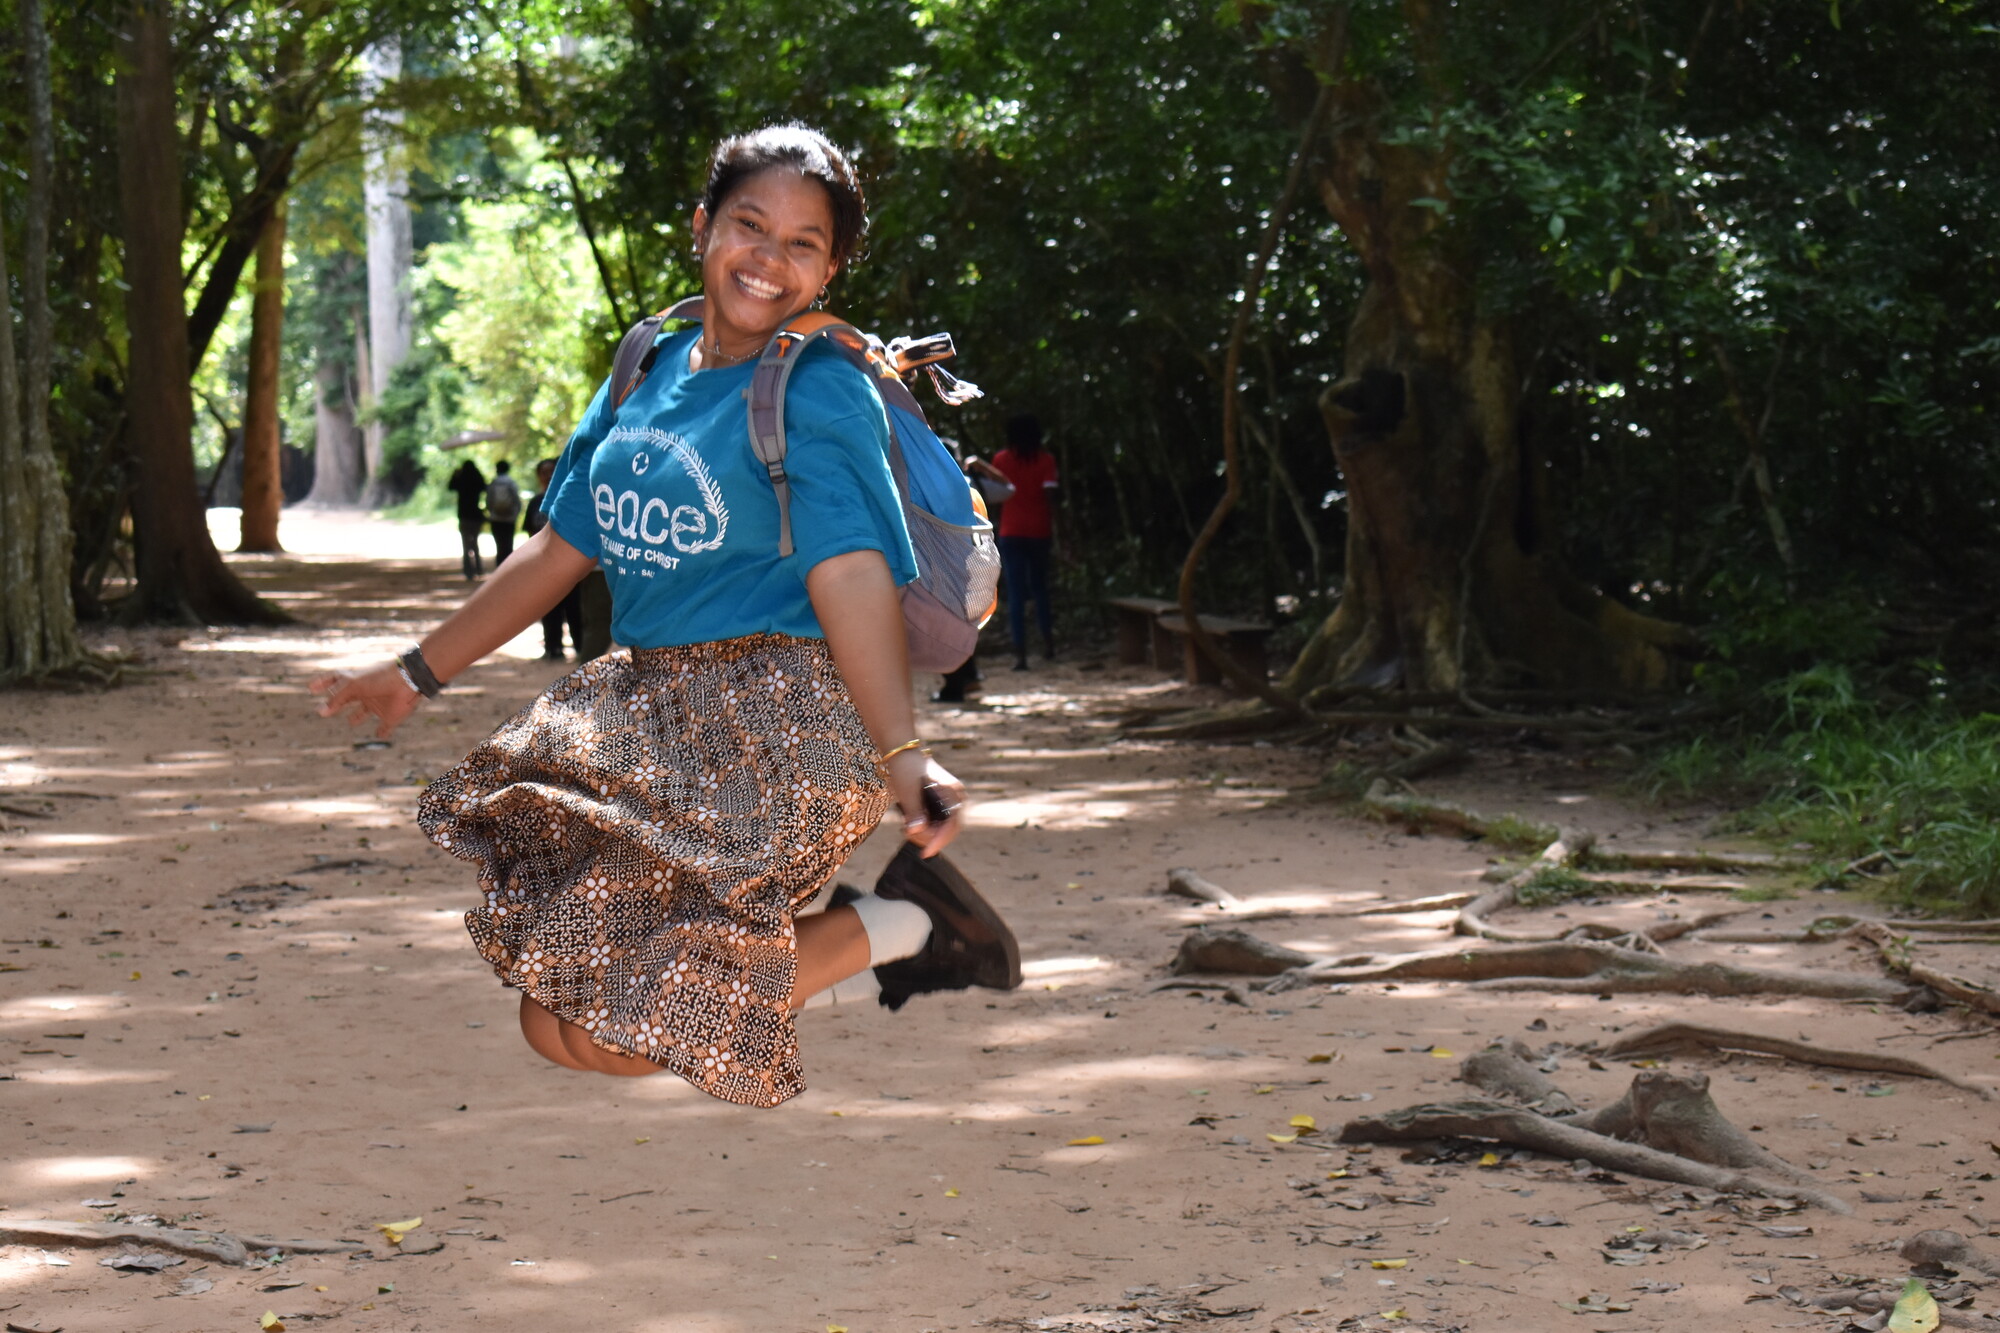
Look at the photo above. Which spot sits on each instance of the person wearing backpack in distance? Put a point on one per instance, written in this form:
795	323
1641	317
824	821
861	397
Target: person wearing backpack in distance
1027	530
649	829
503	510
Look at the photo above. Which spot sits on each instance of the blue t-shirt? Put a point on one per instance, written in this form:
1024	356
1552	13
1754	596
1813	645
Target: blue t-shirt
666	493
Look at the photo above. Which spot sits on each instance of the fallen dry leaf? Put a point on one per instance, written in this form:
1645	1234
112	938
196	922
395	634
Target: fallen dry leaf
270	1322
1303	1122
1087	1141
394	1232
1915	1311
1388	1263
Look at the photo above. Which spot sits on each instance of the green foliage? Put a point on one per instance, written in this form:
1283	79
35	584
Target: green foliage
1554	884
1853	776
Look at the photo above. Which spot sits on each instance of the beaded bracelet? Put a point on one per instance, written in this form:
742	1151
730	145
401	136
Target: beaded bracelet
882	760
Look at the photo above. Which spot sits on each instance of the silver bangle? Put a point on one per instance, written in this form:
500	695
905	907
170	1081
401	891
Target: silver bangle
404	672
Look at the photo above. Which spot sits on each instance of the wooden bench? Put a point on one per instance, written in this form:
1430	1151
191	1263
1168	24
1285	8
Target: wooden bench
1242	640
1140	638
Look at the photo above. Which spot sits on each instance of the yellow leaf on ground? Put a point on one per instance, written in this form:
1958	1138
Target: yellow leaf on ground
1282	1138
271	1323
951	1194
1395	1314
1915	1311
1087	1141
135	976
1490	1159
1303	1122
647	1139
1388	1263
393	1232
1268	1087
1325	1058
1341	1174
1440	1053
836	1328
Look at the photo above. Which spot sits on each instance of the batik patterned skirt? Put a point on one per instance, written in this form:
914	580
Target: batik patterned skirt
645	832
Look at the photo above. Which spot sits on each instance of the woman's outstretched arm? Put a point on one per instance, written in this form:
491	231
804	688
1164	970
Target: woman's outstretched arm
855	598
519	593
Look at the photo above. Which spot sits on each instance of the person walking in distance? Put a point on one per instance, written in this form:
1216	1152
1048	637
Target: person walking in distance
568	611
648	831
469	485
503	510
1027	531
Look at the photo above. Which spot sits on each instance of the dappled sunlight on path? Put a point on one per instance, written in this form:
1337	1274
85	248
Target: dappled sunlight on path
238	995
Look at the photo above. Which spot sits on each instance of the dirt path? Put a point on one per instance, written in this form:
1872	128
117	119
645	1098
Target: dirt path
235	993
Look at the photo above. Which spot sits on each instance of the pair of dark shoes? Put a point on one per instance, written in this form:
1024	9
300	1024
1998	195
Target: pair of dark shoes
969	945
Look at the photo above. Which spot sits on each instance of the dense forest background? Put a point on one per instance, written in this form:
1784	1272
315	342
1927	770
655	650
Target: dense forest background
1633	343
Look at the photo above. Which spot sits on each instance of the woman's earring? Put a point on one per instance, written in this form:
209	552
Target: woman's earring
819	302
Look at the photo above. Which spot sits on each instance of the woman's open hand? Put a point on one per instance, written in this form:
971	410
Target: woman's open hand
929	824
382	694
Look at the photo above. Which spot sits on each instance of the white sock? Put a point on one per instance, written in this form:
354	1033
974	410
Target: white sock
895	929
857	989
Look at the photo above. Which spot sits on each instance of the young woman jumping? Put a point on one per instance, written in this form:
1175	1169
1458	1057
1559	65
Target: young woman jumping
649	829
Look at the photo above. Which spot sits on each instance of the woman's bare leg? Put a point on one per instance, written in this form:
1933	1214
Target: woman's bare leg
833	946
562	1042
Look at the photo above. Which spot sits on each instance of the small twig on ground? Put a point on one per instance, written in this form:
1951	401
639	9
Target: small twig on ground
1682	1036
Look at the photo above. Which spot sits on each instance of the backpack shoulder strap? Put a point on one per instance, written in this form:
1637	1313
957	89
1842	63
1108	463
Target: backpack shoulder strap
634	358
767	397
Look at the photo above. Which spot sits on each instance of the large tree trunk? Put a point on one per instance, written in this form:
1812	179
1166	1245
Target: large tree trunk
1450	578
37	618
180	575
336	439
263	484
385	190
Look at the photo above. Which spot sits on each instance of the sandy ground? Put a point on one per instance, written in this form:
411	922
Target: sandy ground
235	993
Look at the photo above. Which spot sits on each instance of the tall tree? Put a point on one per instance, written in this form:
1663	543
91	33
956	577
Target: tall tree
386	191
37	617
1451	578
263	483
181	577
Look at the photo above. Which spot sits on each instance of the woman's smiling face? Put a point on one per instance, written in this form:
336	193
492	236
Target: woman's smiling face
765	255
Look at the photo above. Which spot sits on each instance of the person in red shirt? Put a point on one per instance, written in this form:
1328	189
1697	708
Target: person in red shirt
1027	531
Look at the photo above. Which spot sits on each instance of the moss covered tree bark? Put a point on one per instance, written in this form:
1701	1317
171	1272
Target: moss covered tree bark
1451	580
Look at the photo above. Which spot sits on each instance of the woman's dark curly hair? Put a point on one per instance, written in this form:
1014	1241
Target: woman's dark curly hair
801	148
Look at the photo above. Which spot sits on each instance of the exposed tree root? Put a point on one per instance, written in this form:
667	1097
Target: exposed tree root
1509	1072
1684	1036
1234	951
1476	1119
1565	848
1185	883
1437	902
1707	863
1421	813
1675	1114
217	1245
1948	1249
1896	956
1827	928
1587	967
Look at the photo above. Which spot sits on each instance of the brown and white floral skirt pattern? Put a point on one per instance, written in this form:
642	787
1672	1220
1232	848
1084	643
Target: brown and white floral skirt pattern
645	832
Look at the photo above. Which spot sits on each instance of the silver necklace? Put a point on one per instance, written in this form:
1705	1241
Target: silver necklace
712	352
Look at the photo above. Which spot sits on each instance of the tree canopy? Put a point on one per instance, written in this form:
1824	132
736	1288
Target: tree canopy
1743	257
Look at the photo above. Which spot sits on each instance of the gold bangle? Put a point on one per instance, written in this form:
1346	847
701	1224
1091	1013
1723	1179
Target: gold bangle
882	760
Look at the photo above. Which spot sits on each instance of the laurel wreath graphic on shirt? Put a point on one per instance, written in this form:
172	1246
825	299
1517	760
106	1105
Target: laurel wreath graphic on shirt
690	527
